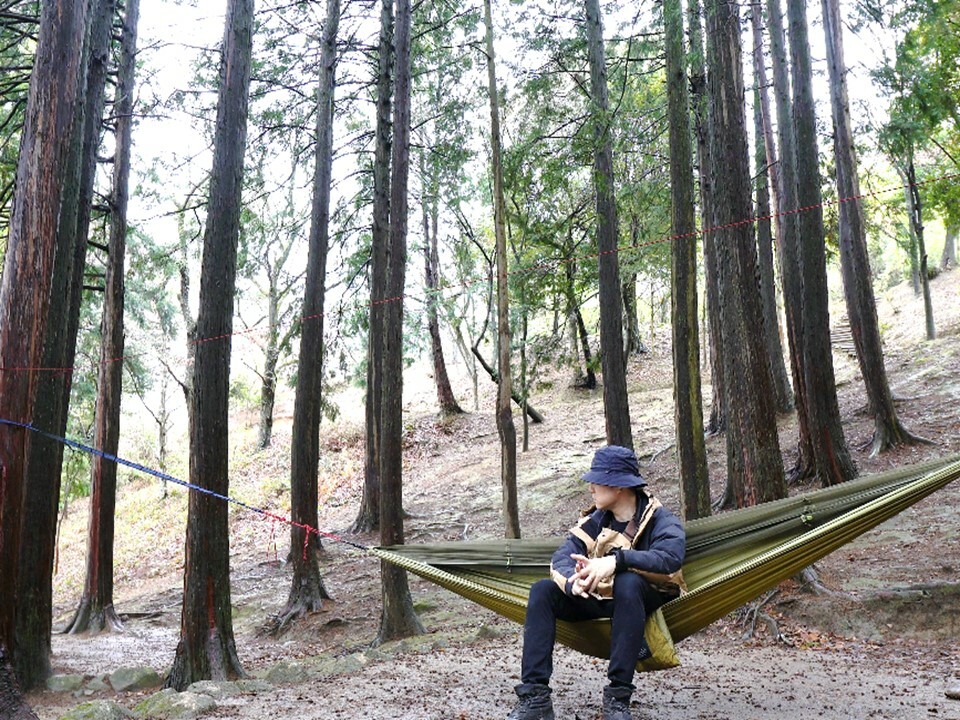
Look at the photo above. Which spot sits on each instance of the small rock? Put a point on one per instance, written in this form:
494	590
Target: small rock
253	686
98	684
287	672
134	678
65	683
214	689
953	692
168	704
97	710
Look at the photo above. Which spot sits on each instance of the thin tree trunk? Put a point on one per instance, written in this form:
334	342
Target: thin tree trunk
398	618
445	397
530	410
832	462
96	609
268	380
633	342
854	260
915	208
55	91
754	465
505	426
368	516
207	649
788	236
768	290
716	423
307	591
616	403
688	403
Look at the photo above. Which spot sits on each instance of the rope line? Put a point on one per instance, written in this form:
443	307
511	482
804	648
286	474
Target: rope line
545	266
74	444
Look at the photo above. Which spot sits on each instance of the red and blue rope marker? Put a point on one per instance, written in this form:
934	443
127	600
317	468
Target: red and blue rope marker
74	444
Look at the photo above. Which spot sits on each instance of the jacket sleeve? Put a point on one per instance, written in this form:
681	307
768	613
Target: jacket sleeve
562	566
667	548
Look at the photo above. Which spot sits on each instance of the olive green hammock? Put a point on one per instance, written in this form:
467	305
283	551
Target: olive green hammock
732	558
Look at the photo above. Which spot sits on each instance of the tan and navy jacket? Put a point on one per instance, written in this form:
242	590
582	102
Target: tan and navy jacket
652	544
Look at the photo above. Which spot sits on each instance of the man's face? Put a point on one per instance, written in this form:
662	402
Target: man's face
604	496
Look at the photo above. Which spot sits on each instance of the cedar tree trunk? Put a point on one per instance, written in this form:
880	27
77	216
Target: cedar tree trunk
616	404
688	403
207	650
754	465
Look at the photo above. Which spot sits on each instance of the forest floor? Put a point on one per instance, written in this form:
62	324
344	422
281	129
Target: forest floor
884	645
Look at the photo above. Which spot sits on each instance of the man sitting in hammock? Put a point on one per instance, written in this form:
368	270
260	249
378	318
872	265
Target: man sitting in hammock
621	561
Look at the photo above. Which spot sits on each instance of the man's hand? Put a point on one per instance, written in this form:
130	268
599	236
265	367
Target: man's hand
590	572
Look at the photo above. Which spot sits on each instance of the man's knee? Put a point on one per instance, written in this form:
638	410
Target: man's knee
631	587
543	593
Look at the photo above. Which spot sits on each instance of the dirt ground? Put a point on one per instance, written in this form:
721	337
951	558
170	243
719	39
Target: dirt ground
883	644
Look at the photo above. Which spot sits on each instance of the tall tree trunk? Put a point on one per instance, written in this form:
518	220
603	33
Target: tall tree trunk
55	91
854	259
505	426
398	618
445	397
754	465
688	403
768	289
915	209
45	462
788	236
96	609
307	591
698	90
616	403
368	516
832	462
783	392
206	649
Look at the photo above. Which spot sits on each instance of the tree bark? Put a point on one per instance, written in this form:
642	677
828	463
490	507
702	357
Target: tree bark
763	133
854	259
45	462
949	257
616	403
268	381
716	423
754	465
915	209
445	397
96	609
368	516
206	649
55	91
788	236
832	462
688	403
307	591
398	618
505	426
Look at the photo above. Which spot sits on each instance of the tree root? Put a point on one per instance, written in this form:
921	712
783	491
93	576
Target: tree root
885	438
279	623
752	613
809	581
90	618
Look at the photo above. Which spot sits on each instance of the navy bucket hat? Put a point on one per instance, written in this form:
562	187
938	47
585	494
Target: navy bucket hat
615	466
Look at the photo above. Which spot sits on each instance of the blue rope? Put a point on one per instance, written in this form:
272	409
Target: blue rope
170	478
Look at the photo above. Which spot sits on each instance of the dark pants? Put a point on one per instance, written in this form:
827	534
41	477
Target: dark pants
633	599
